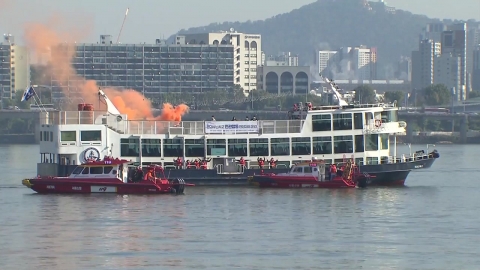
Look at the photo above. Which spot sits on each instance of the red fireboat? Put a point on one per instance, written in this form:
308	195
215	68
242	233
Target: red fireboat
108	176
313	175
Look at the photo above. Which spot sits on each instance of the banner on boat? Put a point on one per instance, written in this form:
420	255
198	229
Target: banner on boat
231	127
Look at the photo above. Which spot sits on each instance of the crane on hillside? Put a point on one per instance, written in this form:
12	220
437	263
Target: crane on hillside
121	28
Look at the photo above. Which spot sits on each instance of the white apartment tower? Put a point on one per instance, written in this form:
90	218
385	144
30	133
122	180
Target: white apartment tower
423	63
327	63
448	71
247	53
14	68
454	41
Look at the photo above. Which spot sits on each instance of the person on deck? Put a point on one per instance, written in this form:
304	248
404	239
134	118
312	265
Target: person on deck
333	171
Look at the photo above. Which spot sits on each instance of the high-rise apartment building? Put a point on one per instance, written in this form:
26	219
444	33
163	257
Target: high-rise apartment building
473	40
247	53
448	71
454	41
14	67
327	63
433	31
152	69
349	63
404	69
476	69
423	63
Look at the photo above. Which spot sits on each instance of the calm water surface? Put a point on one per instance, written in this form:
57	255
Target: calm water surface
431	224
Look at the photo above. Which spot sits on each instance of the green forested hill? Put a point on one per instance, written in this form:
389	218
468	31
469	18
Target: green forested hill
330	24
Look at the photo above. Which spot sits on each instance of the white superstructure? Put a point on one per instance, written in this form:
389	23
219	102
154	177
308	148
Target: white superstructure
331	133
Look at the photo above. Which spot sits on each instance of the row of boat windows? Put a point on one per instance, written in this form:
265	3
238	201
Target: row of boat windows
253	147
93	170
344	121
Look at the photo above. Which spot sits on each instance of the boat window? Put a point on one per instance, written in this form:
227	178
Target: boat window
280	146
301	146
258	147
384	141
86	170
114	172
322	145
129	147
342	121
371	142
107	169
237	147
358	120
297	170
359	144
359	161
343	144
90	135
194	148
68	136
173	147
96	170
151	148
216	147
77	170
368	117
322	122
372	160
307	169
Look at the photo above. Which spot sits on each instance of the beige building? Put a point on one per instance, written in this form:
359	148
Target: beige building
448	71
423	63
247	53
14	67
284	79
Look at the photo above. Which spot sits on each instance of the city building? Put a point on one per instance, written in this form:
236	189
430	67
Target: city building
448	71
327	63
285	59
14	67
423	63
284	79
152	69
248	53
476	69
473	40
454	41
349	63
433	31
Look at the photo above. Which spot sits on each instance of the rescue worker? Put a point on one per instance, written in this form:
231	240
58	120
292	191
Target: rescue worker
203	164
242	161
333	171
261	162
197	164
139	175
188	164
273	163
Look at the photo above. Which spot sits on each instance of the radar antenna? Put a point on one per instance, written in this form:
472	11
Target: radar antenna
334	88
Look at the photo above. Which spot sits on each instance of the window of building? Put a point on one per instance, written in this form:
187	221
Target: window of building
68	136
253	70
301	146
358	120
322	145
254	62
51	136
372	160
342	121
280	146
246	76
130	147
258	147
216	147
359	144
253	84
237	147
90	135
322	122
246	84
253	55
343	144
384	141
151	148
246	69
41	136
194	148
371	142
246	62
246	55
172	147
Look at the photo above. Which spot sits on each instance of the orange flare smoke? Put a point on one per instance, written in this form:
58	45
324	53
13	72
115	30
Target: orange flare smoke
43	38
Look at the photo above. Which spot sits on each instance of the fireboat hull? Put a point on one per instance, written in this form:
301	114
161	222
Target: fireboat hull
63	186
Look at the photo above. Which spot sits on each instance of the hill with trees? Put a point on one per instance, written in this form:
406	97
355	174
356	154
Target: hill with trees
330	24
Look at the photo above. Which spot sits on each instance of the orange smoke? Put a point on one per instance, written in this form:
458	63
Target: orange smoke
59	45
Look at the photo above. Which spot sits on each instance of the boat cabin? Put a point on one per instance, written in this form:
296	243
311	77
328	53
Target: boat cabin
106	168
313	168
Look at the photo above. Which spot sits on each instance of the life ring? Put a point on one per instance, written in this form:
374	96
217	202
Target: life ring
378	122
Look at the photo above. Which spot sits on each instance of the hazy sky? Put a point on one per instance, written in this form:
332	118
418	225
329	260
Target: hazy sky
150	19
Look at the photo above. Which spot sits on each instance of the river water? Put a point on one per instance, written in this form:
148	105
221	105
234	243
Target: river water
433	223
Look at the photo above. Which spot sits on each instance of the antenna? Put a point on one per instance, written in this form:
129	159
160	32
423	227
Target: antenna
123	23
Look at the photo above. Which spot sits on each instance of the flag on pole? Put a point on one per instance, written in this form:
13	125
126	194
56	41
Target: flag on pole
29	92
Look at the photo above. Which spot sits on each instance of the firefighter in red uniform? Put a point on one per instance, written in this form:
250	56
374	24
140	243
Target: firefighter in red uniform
273	163
197	164
261	162
242	161
187	164
333	171
178	163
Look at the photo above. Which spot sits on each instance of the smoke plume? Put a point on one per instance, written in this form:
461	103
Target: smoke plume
44	39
